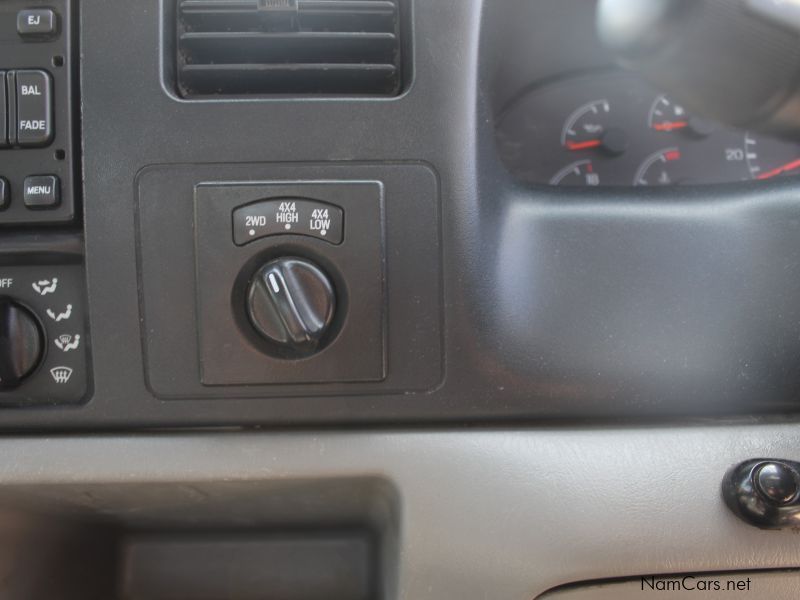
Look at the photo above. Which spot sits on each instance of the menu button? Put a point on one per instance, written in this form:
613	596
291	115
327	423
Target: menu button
42	191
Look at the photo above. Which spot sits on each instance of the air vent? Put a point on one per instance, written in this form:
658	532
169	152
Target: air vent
335	47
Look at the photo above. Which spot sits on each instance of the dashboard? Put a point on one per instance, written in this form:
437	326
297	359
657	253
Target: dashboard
611	128
367	300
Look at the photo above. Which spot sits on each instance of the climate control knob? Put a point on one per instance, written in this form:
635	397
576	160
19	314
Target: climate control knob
21	343
291	303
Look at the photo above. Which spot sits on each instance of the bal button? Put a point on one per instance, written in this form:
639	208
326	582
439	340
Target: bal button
777	482
42	192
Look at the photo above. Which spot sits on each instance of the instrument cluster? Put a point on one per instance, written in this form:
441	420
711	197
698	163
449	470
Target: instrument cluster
613	129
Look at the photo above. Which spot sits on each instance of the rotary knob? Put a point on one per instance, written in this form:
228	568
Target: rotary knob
291	303
21	343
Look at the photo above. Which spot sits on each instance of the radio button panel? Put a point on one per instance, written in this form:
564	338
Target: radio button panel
39	112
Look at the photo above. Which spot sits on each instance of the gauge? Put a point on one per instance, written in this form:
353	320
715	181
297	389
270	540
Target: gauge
667	116
612	129
768	158
581	172
590	127
571	121
708	152
660	168
585	126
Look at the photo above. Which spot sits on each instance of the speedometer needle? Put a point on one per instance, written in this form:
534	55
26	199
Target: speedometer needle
670	125
584	145
795	164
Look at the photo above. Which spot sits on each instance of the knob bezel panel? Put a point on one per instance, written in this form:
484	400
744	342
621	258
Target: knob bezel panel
391	340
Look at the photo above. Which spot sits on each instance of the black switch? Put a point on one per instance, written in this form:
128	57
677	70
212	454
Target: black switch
34	108
42	191
37	23
4	194
3	111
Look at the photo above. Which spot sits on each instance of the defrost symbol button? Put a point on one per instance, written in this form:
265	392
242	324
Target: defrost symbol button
61	375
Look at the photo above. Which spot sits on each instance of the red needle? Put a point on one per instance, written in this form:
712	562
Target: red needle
670	125
584	145
795	164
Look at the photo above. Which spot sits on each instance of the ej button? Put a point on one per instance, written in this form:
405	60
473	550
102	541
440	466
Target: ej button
36	23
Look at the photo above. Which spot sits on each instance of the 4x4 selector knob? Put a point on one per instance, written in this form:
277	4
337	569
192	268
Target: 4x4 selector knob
291	302
21	343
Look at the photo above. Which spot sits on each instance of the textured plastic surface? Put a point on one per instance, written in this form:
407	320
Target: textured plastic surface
505	515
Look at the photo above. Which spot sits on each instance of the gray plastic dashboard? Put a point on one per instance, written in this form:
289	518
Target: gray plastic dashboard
480	514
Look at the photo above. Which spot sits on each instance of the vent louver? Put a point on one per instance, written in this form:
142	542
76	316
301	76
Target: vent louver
336	47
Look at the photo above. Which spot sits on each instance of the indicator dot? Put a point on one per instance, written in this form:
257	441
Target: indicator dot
287	226
252	232
323	232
